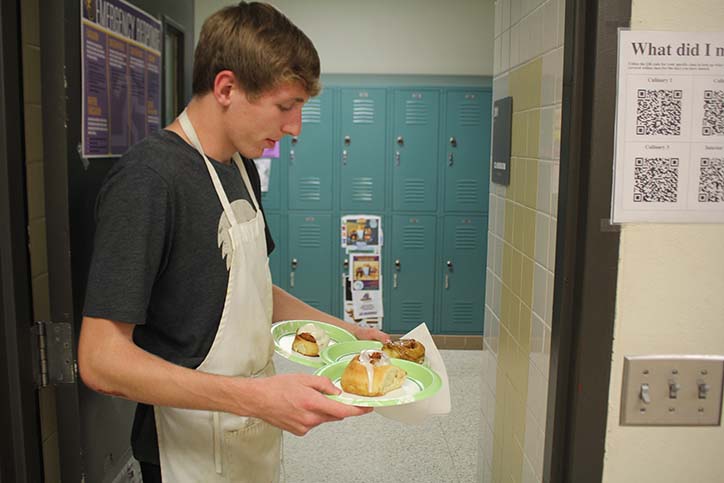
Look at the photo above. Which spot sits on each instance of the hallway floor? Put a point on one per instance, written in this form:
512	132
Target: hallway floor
372	448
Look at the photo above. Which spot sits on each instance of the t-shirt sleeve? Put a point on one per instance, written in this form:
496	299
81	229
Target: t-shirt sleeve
256	186
133	226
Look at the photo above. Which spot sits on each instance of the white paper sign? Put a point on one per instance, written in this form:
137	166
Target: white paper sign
263	166
669	153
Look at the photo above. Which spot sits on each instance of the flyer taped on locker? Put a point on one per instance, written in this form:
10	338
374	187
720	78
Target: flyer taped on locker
366	280
362	232
419	411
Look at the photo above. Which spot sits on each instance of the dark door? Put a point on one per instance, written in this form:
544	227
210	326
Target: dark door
20	443
93	430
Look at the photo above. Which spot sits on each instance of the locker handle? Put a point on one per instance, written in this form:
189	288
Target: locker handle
394	280
397	158
395	275
345	154
291	274
447	274
450	159
291	155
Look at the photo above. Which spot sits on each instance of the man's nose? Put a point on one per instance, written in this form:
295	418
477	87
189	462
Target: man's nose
293	125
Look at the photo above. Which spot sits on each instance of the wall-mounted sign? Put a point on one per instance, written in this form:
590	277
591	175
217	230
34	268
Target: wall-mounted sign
669	157
502	124
121	70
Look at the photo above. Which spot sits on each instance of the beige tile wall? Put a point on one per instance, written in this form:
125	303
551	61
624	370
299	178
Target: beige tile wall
29	10
528	65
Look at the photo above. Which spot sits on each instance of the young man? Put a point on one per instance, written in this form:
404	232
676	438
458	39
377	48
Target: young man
179	299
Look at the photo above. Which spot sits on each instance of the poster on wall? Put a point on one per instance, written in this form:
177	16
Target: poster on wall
121	76
669	152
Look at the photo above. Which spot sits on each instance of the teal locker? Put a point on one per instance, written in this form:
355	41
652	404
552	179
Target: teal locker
411	273
309	157
467	150
414	144
309	260
462	273
362	149
271	199
275	259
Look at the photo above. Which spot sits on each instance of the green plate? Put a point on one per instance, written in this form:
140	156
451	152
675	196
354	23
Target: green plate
283	335
421	383
344	351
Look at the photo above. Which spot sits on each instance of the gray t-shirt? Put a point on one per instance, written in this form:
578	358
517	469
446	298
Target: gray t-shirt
156	260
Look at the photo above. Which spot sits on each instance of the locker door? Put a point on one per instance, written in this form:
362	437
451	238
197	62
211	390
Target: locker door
467	150
275	259
412	272
362	149
309	260
309	157
415	150
463	274
272	199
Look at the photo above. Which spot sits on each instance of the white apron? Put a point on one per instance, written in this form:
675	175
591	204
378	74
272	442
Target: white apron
205	446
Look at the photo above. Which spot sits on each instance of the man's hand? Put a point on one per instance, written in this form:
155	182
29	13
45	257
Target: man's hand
367	333
297	402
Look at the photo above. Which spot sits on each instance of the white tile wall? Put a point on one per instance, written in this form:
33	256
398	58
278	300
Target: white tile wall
526	30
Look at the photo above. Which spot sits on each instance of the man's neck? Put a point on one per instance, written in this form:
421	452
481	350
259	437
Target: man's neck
205	116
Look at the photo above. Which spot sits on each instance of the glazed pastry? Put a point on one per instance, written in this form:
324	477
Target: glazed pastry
310	340
407	349
370	373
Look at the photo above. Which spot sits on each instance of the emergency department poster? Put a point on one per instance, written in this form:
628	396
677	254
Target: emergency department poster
121	72
669	153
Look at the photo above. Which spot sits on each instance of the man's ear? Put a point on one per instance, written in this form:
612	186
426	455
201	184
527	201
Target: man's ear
224	84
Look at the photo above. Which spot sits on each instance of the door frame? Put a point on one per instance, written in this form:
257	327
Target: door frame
21	452
586	270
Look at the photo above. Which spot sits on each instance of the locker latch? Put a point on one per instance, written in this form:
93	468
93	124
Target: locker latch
400	141
447	275
394	276
344	273
291	274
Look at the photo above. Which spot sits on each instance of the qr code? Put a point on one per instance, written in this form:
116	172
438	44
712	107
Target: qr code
656	180
658	112
713	122
711	180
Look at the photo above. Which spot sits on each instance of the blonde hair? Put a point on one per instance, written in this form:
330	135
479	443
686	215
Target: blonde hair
260	45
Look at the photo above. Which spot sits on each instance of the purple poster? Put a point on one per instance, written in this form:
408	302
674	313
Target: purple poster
121	59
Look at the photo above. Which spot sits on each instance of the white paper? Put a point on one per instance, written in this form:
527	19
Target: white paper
367	303
419	411
263	166
362	232
669	152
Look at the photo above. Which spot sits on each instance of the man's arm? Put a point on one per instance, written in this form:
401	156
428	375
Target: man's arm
111	363
288	307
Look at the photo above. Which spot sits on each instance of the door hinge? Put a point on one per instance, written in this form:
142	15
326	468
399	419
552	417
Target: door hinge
53	346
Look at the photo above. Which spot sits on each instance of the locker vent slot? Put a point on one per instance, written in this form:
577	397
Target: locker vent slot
414	190
310	236
470	114
363	111
362	189
416	113
310	189
413	237
466	237
467	191
411	312
462	313
312	112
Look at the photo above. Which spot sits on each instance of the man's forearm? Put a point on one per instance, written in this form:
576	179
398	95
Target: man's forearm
287	306
111	363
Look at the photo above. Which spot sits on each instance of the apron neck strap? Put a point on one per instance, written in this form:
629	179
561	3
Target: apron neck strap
190	132
245	176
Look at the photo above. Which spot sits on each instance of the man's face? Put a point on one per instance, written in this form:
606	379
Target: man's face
253	126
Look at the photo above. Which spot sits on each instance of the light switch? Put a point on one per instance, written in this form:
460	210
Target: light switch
677	390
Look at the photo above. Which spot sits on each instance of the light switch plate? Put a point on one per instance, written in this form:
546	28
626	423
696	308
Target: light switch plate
672	390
